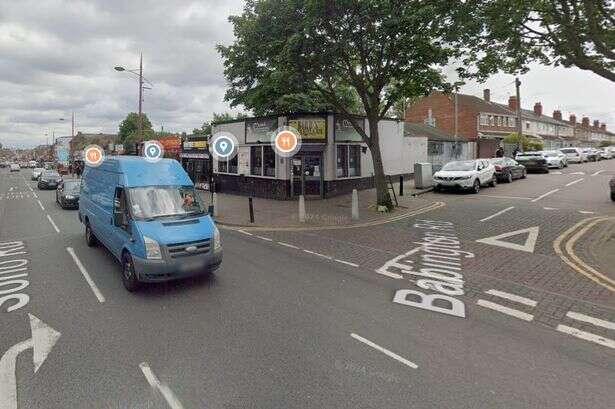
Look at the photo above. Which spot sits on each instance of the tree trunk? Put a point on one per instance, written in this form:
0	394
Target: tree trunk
382	191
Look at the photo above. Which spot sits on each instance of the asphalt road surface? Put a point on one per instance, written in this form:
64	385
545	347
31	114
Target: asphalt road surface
324	319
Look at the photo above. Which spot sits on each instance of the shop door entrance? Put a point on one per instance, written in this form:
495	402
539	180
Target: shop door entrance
307	175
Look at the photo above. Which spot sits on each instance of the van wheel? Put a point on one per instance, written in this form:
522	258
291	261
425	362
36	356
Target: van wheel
90	238
129	276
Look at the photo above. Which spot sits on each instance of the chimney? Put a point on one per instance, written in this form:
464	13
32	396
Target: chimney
603	127
573	119
585	122
596	123
557	115
538	108
512	103
487	95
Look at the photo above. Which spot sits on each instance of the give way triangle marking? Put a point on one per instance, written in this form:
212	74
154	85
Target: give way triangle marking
528	246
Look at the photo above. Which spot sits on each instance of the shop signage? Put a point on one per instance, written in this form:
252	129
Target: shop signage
171	143
260	129
345	132
189	155
310	128
195	145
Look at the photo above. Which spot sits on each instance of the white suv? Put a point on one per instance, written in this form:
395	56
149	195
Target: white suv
465	175
575	155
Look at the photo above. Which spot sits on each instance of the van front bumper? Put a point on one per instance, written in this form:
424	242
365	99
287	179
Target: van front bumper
176	268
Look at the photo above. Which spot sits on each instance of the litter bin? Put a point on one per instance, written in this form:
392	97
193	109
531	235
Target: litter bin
422	175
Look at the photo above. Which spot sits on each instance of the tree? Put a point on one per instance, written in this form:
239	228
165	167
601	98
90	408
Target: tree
378	50
129	129
205	129
577	33
604	144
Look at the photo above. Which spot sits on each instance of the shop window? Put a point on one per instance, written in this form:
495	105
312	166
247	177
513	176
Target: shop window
256	160
348	161
269	161
228	166
262	161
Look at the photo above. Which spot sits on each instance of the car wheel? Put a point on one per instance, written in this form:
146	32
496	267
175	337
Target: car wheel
476	186
561	165
129	276
524	174
436	188
90	238
493	182
509	177
613	196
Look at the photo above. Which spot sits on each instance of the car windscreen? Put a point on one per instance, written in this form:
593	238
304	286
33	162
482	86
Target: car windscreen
550	154
51	175
498	161
459	166
72	187
531	155
568	150
164	201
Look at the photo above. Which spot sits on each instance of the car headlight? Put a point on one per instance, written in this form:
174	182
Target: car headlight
152	249
70	197
217	240
464	177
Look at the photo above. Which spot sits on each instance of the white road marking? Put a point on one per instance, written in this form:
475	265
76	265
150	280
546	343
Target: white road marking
575	181
557	172
505	310
281	243
587	336
528	246
318	254
41	205
512	297
394	263
595	321
162	388
347	263
11	189
586	212
385	351
53	224
545	195
86	275
550	208
245	232
264	238
597	173
577	173
497	214
505	197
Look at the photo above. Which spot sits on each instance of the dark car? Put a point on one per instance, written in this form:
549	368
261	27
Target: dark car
49	179
67	194
533	161
612	184
507	169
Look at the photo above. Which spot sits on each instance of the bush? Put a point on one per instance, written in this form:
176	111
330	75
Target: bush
529	144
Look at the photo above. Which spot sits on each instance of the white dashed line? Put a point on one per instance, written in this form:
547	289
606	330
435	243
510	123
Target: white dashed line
281	243
587	336
586	212
385	351
574	182
86	275
264	238
512	297
545	195
347	263
41	205
53	224
595	321
550	208
245	232
497	214
162	388
505	310
318	254
597	173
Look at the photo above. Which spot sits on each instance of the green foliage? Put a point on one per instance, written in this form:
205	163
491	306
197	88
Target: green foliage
129	129
205	129
510	34
529	144
604	144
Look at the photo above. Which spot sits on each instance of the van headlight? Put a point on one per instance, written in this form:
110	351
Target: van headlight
217	240
152	249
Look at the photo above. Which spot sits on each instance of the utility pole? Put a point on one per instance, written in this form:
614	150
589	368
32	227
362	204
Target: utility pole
72	125
456	114
519	122
140	122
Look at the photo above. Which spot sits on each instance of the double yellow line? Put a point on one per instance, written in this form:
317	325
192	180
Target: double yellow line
569	238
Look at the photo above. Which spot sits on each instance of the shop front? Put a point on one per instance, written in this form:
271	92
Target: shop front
195	160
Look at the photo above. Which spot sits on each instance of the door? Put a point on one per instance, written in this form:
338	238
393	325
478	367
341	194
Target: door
120	222
307	175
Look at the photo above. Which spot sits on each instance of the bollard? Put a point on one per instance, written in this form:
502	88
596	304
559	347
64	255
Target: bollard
301	209
251	210
214	203
355	205
401	185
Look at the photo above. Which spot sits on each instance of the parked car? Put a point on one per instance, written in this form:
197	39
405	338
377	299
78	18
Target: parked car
465	175
3	164
67	193
574	155
612	184
14	167
605	154
36	173
150	217
533	161
555	159
49	179
507	169
592	154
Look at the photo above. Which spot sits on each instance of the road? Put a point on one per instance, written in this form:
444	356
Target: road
322	319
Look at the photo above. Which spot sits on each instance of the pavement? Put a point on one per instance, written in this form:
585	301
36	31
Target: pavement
330	318
234	210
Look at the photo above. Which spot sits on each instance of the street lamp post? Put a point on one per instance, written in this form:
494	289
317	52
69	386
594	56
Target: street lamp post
142	79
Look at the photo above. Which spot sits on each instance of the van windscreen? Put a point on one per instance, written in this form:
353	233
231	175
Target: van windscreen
164	201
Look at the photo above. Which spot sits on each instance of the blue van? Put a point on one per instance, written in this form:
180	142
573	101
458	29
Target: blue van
151	219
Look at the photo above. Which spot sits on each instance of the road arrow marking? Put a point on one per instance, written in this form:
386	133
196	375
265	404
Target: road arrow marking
528	246
43	339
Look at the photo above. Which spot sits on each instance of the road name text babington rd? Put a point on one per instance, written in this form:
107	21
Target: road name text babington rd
11	284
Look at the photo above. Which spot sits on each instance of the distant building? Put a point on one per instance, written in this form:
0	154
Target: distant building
442	147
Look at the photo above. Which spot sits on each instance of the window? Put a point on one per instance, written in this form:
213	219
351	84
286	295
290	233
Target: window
348	161
484	120
228	166
527	125
512	122
499	121
435	148
262	161
491	120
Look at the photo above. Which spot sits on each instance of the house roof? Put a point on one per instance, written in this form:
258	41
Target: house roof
481	105
431	133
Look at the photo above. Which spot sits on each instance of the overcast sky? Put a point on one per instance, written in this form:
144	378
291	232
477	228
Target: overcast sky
57	56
